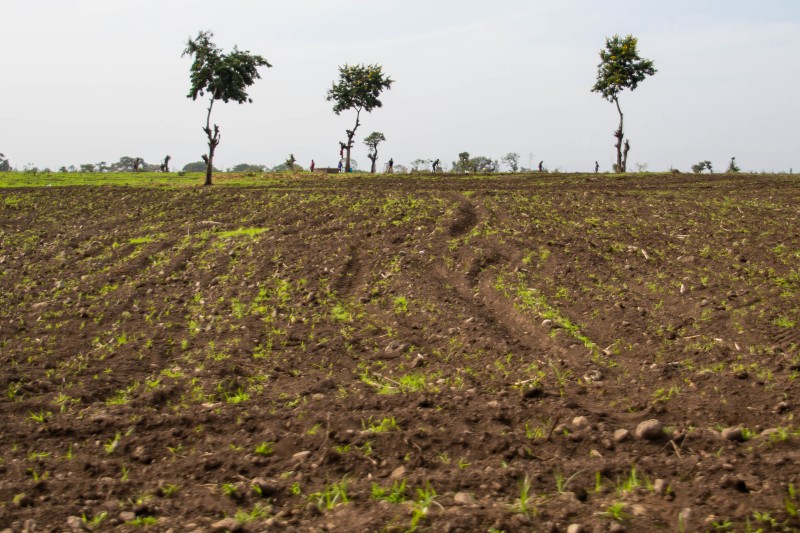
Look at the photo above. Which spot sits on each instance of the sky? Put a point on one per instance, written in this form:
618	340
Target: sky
86	81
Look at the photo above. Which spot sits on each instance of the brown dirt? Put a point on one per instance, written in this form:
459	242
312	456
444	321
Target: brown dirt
459	335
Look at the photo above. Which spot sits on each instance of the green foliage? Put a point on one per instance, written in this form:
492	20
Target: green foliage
241	167
701	166
480	164
733	168
512	160
224	76
265	448
332	496
372	141
395	494
621	67
358	88
197	166
5	165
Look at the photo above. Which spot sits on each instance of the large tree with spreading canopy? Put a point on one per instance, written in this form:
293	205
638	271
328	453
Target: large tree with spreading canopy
219	76
358	88
621	68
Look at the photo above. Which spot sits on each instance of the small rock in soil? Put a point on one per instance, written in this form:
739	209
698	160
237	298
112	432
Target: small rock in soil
650	430
74	523
266	487
226	524
301	456
127	516
580	422
576	528
463	498
734	434
660	486
398	473
621	435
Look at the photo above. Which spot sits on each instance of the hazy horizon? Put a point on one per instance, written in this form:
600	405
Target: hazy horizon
92	81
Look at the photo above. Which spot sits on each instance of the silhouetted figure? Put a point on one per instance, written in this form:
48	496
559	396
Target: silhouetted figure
312	165
596	167
165	164
435	165
340	165
391	166
541	166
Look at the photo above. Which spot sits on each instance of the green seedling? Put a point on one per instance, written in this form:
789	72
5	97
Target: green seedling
335	494
38	456
95	521
400	305
142	521
615	511
257	513
231	490
425	499
169	490
561	483
386	424
112	444
790	502
523	503
395	494
265	449
40	417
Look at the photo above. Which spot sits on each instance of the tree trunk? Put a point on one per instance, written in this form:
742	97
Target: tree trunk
625	156
373	158
620	135
213	141
350	135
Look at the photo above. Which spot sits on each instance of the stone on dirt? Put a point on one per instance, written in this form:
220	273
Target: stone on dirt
734	433
650	430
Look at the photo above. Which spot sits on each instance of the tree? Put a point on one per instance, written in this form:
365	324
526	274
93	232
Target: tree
420	164
372	141
126	164
479	163
733	168
290	161
244	167
359	88
701	166
621	68
164	167
512	160
197	166
87	168
463	164
5	165
221	76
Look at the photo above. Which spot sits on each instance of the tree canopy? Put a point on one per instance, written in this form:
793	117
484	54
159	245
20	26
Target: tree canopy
621	67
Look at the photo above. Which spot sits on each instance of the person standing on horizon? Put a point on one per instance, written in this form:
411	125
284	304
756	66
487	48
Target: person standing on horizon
391	165
339	168
596	167
435	165
541	166
312	165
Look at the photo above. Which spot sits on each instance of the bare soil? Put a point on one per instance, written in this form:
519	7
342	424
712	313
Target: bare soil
283	357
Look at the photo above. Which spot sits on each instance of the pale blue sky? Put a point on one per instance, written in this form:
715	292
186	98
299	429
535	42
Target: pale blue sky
93	80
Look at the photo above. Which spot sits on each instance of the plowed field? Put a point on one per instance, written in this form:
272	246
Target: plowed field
402	354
